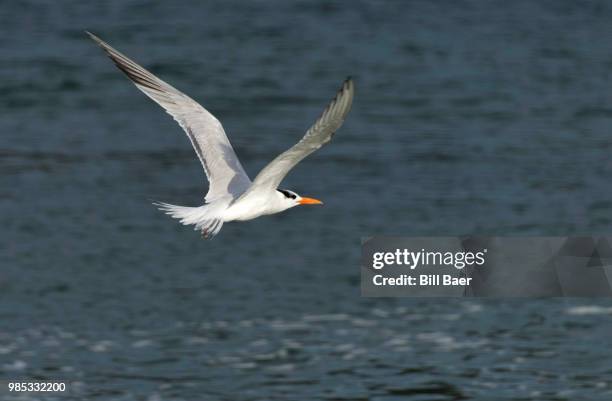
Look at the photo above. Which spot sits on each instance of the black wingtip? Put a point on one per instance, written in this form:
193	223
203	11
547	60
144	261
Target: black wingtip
348	83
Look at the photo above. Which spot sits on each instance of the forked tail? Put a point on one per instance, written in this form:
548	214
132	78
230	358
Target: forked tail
202	218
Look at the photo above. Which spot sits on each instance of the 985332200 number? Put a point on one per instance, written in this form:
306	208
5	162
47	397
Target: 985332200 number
36	387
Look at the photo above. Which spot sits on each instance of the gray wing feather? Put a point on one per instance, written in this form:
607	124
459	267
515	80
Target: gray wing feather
318	135
223	169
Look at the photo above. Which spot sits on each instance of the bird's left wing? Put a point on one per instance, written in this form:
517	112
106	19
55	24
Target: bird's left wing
318	135
221	165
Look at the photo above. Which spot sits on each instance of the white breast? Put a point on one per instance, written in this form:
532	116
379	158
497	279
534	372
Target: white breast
252	206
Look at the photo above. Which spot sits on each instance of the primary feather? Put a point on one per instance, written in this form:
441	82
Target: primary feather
320	133
223	169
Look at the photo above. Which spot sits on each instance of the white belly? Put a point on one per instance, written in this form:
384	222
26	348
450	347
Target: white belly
250	208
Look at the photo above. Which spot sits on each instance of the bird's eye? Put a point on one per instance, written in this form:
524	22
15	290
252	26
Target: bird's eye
287	194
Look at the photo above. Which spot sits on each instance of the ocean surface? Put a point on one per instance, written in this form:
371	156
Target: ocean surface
489	118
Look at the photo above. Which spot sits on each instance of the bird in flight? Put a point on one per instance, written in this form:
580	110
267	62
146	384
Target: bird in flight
231	196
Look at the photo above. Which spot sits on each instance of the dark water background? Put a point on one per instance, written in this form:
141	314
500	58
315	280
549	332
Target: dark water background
470	117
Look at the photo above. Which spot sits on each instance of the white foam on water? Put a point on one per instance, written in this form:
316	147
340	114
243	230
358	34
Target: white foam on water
15	366
589	310
142	343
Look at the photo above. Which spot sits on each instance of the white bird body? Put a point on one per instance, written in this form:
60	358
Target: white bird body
231	194
253	205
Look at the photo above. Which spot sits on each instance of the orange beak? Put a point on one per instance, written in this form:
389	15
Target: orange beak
310	201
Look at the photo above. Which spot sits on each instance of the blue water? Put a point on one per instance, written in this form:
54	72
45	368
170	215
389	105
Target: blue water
469	118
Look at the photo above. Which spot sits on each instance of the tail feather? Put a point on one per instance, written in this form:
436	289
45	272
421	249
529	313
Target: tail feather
211	229
201	217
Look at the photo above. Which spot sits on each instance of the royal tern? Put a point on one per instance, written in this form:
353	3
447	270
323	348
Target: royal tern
231	196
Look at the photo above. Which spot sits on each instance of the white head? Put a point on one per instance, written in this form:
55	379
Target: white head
288	199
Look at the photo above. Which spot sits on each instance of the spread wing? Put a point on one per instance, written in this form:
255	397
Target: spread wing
318	135
223	169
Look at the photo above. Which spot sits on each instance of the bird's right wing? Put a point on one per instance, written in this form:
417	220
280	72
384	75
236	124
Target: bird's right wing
318	135
223	169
